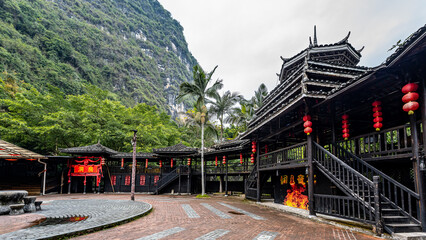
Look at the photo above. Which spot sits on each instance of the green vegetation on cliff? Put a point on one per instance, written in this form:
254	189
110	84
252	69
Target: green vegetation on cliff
132	48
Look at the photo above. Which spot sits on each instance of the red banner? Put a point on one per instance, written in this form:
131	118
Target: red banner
85	169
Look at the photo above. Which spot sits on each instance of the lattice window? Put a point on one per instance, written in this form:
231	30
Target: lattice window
127	180
142	180
114	180
156	178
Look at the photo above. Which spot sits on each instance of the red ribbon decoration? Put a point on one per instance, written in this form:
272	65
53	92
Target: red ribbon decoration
241	158
345	126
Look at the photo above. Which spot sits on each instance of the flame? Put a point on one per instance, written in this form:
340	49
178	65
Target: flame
294	197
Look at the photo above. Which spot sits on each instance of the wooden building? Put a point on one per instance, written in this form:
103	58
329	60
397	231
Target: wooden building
338	139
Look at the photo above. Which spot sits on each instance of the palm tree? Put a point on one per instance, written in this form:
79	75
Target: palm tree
223	105
259	96
200	90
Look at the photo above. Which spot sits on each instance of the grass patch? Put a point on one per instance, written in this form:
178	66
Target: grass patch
202	196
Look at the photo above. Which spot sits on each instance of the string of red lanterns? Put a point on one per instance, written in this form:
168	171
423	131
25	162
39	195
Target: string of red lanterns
377	114
146	163
171	163
307	124
224	160
252	158
253	147
410	98
215	161
241	158
345	126
189	161
161	163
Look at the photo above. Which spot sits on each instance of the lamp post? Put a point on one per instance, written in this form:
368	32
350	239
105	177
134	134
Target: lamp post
132	197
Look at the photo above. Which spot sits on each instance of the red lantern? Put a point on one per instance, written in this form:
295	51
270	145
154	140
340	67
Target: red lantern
161	163
307	124
377	115
266	148
122	163
253	146
224	160
146	163
171	163
345	126
102	161
215	161
252	158
410	98
189	161
241	158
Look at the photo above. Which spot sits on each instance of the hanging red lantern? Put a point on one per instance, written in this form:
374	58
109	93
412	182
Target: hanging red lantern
171	163
266	148
241	158
102	161
224	160
345	126
215	161
146	163
253	146
189	161
307	124
410	98
161	163
377	115
122	163
252	158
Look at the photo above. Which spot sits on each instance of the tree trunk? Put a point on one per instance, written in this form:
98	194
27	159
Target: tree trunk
202	160
221	128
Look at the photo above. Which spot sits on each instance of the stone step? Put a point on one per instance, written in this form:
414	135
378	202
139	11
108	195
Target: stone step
404	227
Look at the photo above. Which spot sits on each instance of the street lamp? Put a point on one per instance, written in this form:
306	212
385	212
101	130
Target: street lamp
132	197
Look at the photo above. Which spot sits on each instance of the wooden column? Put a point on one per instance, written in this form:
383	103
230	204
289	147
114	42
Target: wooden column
259	195
378	228
421	166
310	177
333	128
418	173
226	178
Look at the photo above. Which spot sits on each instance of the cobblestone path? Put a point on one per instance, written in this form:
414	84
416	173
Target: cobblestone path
68	216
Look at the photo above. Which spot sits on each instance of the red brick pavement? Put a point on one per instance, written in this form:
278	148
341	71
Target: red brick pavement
167	213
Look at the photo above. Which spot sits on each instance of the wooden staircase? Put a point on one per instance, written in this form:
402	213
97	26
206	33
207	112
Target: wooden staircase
167	180
395	203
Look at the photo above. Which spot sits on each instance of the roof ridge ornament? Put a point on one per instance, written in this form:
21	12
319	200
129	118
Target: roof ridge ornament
310	42
345	40
315	36
360	50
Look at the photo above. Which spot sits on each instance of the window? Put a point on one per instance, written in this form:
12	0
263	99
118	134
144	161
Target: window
127	180
142	180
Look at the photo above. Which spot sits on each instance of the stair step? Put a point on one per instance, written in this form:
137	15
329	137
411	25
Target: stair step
396	219
404	227
390	212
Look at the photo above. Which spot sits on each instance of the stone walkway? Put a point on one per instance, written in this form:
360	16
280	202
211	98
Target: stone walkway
186	217
71	216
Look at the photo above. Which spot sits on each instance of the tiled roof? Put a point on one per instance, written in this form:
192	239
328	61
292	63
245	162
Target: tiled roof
231	143
91	149
178	148
9	150
410	40
130	155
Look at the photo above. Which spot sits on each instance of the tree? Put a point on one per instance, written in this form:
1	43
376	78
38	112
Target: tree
223	105
200	90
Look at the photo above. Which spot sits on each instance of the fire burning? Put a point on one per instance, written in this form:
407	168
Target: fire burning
294	197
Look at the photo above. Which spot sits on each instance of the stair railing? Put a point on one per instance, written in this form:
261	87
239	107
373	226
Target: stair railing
393	192
162	182
348	179
251	183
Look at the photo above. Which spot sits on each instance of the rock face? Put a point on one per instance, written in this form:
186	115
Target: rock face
133	48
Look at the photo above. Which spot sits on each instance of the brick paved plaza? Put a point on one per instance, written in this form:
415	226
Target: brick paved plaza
175	217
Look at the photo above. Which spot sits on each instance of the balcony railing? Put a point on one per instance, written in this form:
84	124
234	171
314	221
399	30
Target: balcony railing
292	155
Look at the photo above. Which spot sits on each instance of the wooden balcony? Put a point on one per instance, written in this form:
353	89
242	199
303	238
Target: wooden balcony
289	157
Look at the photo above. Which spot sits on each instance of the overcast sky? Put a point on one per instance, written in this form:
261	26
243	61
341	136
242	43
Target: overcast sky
247	37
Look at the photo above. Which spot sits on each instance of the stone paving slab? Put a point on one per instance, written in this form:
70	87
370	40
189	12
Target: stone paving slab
97	213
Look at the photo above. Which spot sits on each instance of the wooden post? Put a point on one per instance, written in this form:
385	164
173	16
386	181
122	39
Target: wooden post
132	196
310	177
333	129
188	187
378	228
418	173
179	179
259	195
422	163
226	178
